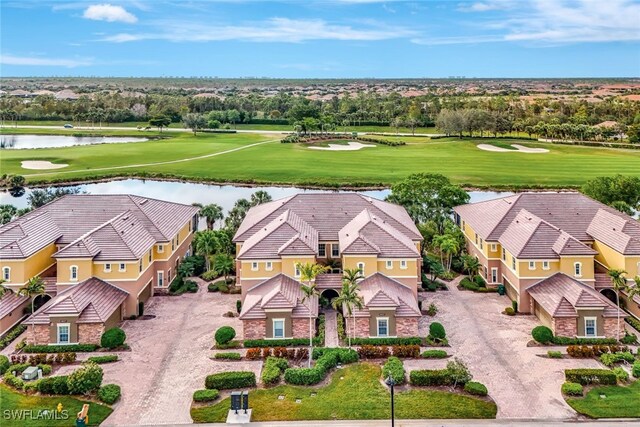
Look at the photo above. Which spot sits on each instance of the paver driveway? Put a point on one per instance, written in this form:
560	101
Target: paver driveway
494	347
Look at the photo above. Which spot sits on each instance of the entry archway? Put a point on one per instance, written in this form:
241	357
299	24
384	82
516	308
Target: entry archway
329	295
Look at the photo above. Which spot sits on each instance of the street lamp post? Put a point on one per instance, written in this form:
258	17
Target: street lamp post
390	382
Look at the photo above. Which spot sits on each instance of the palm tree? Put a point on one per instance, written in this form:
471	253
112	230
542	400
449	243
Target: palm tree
619	283
211	213
31	289
223	264
634	290
349	297
471	265
206	245
4	290
308	273
260	197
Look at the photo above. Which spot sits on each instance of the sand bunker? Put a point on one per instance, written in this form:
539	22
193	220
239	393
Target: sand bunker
41	165
351	146
518	148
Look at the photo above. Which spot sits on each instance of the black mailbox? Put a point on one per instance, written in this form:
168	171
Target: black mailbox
236	400
245	401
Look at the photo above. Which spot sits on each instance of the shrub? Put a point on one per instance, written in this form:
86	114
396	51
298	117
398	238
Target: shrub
554	354
395	369
54	385
635	323
228	356
109	358
272	369
205	395
229	380
225	334
574	341
432	310
109	393
509	311
572	389
373	352
327	358
469	285
436	331
212	287
85	379
253	353
476	388
610	359
79	348
458	372
4	364
238	306
386	341
13	381
292	342
628	338
46	369
479	280
635	369
542	334
430	377
31	387
345	355
590	376
514	305
13	333
18	368
113	338
405	351
434	354
621	375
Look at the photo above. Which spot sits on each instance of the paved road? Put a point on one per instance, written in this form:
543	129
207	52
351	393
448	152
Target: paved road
331	328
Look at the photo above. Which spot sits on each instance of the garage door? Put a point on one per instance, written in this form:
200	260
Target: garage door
541	314
511	291
145	294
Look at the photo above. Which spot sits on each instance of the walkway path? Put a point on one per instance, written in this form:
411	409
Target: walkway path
331	328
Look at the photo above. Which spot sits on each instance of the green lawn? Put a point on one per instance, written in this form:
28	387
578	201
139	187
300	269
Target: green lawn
621	402
275	163
10	400
359	396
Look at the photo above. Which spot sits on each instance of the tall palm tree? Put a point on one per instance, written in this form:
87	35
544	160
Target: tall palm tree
31	289
471	265
308	274
634	290
211	213
223	264
349	297
619	283
260	197
206	245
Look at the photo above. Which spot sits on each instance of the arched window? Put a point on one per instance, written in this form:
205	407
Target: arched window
6	274
577	269
73	272
361	268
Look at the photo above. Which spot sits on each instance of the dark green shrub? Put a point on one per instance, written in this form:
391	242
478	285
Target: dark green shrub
238	306
205	395
54	385
212	287
327	359
13	381
18	368
434	354
572	389
46	369
476	388
430	377
85	379
436	331
514	305
4	364
542	334
109	358
225	334
582	341
229	380
13	333
395	369
109	393
292	342
227	356
554	354
272	369
75	348
590	376
432	287
469	285
479	280
628	338
113	338
635	369
345	355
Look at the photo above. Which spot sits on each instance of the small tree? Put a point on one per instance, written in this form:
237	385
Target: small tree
348	297
85	379
160	121
471	265
458	372
33	288
308	274
194	122
223	264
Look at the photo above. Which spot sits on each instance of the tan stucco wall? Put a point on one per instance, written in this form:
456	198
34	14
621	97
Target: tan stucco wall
8	321
373	323
261	272
288	327
613	259
590	313
370	263
24	269
85	270
588	267
73	328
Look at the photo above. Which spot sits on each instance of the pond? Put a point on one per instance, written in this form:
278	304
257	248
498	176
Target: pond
186	192
20	142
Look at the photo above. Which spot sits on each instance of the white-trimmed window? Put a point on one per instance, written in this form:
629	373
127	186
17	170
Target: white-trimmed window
173	245
150	255
140	267
107	268
360	266
73	273
335	250
577	269
322	250
545	265
122	267
590	326
382	326
513	263
254	266
64	333
6	274
389	264
476	239
278	328
160	249
403	264
160	282
532	265
494	275
269	266
504	254
296	271
494	247
177	239
481	243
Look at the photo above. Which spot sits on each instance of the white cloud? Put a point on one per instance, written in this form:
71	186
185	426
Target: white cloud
44	62
281	30
110	13
485	6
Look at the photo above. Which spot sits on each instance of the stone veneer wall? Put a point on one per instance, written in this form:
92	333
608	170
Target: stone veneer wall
611	325
90	333
407	326
38	334
254	329
565	326
362	326
300	327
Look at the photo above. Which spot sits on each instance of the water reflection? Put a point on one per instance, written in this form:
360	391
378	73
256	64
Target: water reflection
19	142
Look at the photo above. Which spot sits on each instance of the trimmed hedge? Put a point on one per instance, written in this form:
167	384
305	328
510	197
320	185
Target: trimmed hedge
224	335
434	354
395	369
572	389
554	354
610	359
227	356
77	348
12	335
476	388
542	334
386	341
54	385
109	358
430	377
229	380
272	370
581	341
292	342
205	395
326	360
590	376
109	393
113	338
436	331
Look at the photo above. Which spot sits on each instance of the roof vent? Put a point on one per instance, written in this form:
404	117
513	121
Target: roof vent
144	201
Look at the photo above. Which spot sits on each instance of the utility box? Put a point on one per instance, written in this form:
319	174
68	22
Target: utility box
31	373
236	401
245	401
501	289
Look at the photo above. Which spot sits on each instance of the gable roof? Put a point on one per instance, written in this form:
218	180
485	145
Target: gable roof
560	296
24	238
380	291
10	301
619	233
280	292
93	301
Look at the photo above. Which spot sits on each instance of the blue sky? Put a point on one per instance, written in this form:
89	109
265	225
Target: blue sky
315	39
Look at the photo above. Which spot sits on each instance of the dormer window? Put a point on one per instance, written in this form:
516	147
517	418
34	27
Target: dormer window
545	265
577	269
73	273
335	250
532	265
322	250
254	266
269	266
494	247
361	268
160	249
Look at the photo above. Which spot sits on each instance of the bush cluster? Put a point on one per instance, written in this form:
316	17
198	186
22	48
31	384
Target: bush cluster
635	323
387	341
4	364
542	334
621	375
326	360
13	333
54	385
224	335
13	381
635	369
476	388
205	395
572	389
109	393
291	342
40	358
258	353
478	284
388	142
19	368
229	380
85	379
585	351
590	376
73	348
113	338
272	370
395	369
554	354
109	358
381	352
430	377
228	356
434	354
610	359
580	341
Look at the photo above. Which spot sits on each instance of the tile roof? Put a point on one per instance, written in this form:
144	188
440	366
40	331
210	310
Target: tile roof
619	233
10	301
93	301
70	217
560	295
280	292
327	213
529	237
380	291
